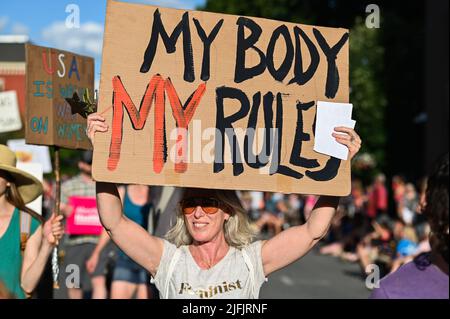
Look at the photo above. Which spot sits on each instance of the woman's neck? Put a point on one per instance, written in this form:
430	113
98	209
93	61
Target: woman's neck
5	206
210	252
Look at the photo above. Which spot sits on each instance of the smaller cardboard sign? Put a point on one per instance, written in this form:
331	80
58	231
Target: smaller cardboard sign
84	219
52	76
9	112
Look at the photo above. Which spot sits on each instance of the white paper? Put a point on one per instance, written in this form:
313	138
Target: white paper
329	116
34	169
9	112
26	153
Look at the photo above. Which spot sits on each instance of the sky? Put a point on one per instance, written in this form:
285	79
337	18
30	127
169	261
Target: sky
44	22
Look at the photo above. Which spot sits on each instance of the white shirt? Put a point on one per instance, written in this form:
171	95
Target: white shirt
230	278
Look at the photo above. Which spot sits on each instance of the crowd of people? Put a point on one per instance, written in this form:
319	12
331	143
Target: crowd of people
380	225
375	224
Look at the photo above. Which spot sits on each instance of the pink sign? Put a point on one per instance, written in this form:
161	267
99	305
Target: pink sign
84	219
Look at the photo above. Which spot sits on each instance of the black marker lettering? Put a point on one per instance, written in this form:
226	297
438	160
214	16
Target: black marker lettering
170	42
283	70
243	44
223	126
301	77
300	136
332	85
207	41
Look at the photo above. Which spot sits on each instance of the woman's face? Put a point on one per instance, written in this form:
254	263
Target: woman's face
3	183
205	227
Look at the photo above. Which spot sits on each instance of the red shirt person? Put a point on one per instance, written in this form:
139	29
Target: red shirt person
378	198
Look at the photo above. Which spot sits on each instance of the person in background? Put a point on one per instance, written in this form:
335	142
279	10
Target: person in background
378	247
359	199
408	205
129	279
25	241
398	192
426	277
103	253
406	252
272	216
257	205
79	247
293	205
378	199
419	218
407	244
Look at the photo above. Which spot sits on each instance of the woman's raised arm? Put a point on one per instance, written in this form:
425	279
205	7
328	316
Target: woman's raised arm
292	244
134	240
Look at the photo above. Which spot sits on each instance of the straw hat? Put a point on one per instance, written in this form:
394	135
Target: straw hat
28	186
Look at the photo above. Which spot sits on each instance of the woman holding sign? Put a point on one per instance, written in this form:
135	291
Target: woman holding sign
25	245
209	252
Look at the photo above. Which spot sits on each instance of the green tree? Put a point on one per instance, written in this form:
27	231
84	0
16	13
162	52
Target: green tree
366	91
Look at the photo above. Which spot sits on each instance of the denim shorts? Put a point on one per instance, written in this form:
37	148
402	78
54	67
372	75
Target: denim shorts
129	271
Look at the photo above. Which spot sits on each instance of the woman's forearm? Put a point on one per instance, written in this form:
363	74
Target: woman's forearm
31	276
109	205
321	216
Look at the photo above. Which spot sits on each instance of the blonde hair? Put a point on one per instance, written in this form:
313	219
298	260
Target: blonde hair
237	229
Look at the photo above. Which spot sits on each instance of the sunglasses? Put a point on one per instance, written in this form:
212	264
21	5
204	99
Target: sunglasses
208	205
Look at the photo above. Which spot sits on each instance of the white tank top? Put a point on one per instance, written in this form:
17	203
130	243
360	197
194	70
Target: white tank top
239	275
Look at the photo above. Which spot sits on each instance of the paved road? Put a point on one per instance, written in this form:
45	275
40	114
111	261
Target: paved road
316	276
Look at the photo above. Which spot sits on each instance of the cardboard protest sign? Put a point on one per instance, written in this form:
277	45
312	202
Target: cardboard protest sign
209	100
9	112
52	76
